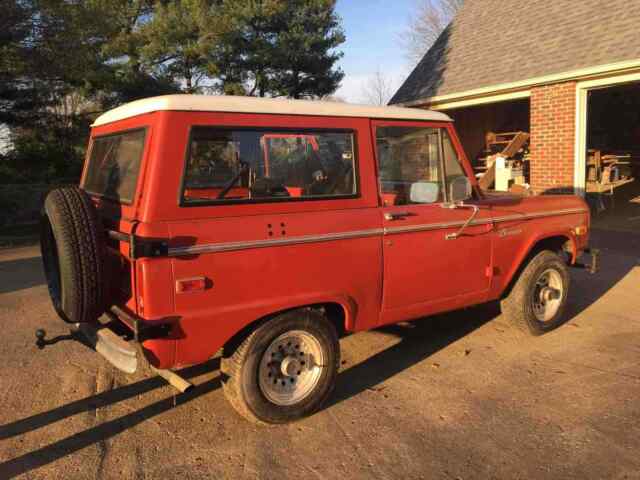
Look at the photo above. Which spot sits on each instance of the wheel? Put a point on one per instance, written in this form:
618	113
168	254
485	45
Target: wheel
538	299
285	369
71	242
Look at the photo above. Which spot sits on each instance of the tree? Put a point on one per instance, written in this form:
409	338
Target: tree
123	74
378	89
278	48
64	61
175	44
426	23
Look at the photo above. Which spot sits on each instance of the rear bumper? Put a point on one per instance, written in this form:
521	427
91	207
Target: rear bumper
125	355
127	348
116	350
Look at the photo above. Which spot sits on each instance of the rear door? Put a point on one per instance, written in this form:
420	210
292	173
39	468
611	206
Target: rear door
426	270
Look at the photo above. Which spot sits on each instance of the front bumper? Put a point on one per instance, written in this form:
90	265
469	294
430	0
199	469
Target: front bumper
592	267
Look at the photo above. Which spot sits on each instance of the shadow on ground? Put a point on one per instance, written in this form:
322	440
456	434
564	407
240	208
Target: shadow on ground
103	431
418	341
619	254
20	274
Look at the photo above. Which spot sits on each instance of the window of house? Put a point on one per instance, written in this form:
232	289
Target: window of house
226	165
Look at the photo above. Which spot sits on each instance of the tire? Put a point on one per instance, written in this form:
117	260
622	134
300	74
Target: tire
72	248
247	386
530	305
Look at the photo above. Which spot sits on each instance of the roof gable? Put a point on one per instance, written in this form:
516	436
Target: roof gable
492	42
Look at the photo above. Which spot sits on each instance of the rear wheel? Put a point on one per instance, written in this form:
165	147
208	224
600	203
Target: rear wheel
285	369
538	299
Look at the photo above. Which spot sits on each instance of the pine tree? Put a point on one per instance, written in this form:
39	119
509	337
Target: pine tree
279	47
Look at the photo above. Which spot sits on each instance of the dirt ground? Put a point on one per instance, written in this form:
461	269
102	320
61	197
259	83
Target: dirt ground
462	395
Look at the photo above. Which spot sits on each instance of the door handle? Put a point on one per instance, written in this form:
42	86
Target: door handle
397	215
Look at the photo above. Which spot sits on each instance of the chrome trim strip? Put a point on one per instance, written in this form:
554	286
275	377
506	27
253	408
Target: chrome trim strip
234	246
530	216
482	221
433	226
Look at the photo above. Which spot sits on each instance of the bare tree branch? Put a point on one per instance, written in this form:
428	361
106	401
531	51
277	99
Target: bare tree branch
427	21
378	89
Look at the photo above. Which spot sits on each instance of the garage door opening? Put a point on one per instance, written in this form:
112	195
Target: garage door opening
495	138
613	156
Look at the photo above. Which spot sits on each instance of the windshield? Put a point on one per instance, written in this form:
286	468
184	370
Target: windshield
114	164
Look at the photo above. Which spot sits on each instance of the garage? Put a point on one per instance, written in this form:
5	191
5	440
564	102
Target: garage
567	79
612	173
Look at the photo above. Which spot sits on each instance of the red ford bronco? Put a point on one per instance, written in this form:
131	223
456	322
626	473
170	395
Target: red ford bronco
268	228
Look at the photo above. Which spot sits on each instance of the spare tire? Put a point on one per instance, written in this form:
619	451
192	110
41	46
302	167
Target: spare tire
72	244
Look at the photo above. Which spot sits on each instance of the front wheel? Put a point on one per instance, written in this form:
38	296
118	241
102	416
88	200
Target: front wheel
285	369
539	297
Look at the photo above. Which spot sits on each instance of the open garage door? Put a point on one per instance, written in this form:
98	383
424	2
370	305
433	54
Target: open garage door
496	140
612	175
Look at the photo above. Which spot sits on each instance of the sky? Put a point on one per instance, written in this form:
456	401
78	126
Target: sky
371	28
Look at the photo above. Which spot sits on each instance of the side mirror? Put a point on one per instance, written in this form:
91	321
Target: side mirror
460	190
424	192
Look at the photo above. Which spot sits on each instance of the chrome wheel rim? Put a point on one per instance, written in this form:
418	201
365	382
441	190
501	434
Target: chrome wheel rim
548	294
290	367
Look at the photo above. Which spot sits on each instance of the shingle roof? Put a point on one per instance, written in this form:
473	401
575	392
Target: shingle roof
492	42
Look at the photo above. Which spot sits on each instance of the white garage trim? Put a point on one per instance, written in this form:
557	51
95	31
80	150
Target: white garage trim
504	97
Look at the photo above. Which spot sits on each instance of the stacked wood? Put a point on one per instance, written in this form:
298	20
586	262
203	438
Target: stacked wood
606	172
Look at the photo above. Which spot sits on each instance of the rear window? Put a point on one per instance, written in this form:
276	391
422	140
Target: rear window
114	165
229	166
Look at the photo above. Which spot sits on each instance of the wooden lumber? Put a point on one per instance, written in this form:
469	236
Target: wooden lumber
518	141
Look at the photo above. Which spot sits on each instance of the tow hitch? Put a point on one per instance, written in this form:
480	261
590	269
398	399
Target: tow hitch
125	356
595	261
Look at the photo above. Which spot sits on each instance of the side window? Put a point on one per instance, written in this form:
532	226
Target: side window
226	165
114	163
409	163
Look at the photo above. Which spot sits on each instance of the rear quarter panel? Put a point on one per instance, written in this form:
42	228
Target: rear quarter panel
246	284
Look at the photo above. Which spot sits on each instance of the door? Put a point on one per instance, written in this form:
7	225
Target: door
427	267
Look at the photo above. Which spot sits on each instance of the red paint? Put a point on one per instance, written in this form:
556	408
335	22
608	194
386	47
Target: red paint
375	279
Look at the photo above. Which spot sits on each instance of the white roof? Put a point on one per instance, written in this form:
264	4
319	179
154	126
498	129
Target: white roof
227	103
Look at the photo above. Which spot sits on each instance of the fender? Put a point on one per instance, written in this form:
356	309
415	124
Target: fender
199	340
530	245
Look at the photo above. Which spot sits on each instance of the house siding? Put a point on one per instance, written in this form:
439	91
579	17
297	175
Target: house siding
553	113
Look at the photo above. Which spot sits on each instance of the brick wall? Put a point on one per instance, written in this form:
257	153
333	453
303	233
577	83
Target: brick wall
552	147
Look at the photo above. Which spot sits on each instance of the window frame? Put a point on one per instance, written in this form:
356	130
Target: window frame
444	165
251	201
119	133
